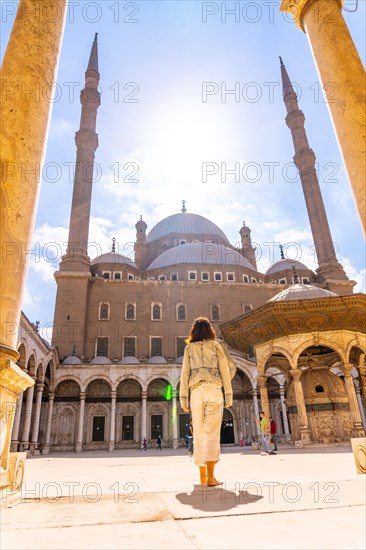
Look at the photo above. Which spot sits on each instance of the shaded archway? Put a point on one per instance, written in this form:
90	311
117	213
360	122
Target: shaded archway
65	415
227	428
159	397
326	405
129	396
97	418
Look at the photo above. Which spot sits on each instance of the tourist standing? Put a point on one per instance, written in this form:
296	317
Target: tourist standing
205	372
273	432
158	442
263	422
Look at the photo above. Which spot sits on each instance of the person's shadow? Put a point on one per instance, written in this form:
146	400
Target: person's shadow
216	499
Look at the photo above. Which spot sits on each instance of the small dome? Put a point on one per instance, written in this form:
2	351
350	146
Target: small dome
333	387
72	360
129	360
283	265
186	224
113	258
157	359
200	253
100	360
301	292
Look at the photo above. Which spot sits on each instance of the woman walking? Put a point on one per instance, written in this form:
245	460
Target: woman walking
205	372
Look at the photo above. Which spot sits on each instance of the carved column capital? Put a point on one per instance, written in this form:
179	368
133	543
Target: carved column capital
82	396
262	381
296	374
298	8
347	368
39	387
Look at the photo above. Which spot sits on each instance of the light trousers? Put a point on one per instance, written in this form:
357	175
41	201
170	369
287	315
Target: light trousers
206	408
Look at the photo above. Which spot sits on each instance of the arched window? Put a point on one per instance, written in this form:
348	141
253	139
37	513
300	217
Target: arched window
319	389
104	312
215	313
130	312
181	313
156	312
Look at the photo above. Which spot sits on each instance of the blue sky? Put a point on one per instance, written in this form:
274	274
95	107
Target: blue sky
156	58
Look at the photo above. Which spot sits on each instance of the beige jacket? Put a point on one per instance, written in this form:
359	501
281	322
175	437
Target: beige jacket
205	362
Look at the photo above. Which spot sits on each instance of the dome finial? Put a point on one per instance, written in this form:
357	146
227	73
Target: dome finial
296	277
282	253
184	209
114	244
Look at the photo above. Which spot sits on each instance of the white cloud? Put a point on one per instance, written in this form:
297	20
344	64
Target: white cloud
29	298
358	275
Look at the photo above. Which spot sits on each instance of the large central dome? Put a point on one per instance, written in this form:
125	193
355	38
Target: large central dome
200	253
186	224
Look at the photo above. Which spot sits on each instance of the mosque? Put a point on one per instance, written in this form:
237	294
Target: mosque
111	376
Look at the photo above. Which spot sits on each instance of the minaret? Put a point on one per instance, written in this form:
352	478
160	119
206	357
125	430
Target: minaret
329	270
86	140
73	277
141	245
248	250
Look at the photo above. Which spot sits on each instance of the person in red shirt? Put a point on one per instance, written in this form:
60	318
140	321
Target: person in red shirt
273	432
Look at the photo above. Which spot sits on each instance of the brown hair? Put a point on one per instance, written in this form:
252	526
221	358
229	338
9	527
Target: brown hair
201	330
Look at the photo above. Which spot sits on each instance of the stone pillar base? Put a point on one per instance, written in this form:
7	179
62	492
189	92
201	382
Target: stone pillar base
305	436
14	446
12	381
11	493
359	453
175	443
46	449
33	449
78	448
358	431
111	446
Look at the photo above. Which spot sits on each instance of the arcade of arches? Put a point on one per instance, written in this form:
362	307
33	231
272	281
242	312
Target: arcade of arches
314	394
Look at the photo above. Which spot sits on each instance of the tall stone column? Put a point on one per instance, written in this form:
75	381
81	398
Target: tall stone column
28	75
79	443
47	442
262	381
37	416
362	378
15	432
112	434
284	414
300	403
342	76
256	411
358	430
360	405
175	419
143	415
27	418
28	69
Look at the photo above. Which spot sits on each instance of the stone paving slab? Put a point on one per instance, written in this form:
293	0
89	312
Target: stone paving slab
311	499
